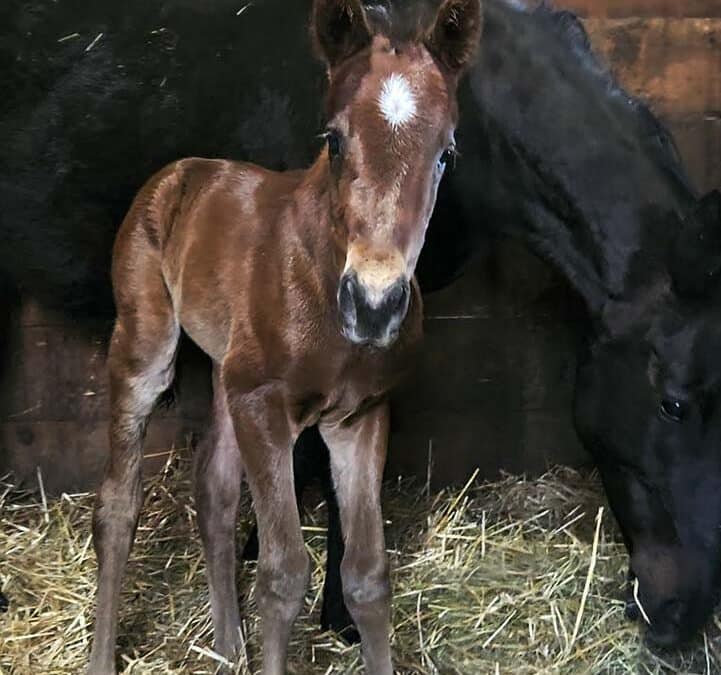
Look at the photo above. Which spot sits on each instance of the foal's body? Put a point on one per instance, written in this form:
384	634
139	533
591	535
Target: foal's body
299	287
196	210
279	360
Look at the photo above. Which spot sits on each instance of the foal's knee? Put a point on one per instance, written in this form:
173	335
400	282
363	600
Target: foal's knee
366	581
281	583
119	497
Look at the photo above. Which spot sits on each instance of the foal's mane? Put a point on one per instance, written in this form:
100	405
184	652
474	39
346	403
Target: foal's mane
401	21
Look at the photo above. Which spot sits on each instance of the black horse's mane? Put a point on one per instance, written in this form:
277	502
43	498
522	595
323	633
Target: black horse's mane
403	20
659	140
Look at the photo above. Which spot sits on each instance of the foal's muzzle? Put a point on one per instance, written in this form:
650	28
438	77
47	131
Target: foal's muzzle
371	316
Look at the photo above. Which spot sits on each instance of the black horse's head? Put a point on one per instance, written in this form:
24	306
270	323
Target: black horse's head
648	407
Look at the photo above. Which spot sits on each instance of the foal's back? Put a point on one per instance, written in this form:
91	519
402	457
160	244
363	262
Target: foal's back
221	236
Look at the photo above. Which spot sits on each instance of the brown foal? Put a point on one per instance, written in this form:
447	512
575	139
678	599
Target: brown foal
299	286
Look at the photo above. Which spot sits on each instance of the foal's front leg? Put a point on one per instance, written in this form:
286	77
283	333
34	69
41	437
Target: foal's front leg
310	459
265	438
357	454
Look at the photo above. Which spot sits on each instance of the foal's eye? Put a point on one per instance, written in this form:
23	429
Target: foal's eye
448	157
334	144
673	410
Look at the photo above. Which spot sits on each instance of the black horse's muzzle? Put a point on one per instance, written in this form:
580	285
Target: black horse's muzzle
670	619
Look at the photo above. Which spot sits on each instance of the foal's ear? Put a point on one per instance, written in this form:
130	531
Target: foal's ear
340	29
455	35
696	256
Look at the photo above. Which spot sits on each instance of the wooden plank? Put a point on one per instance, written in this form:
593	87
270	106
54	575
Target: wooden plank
465	442
64	374
643	8
71	454
674	64
12	388
494	386
699	140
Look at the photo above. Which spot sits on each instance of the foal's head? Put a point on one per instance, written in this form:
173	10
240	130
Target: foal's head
391	113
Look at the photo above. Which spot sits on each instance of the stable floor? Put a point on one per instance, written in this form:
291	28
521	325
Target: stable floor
515	576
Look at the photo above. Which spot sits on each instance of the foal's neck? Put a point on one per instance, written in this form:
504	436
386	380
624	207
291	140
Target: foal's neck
313	224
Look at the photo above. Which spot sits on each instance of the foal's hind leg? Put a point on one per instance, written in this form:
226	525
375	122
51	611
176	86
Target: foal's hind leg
141	359
218	473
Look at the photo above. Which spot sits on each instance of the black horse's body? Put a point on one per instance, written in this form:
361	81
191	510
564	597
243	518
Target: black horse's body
552	151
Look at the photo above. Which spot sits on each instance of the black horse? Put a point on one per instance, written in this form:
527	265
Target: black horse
557	153
553	151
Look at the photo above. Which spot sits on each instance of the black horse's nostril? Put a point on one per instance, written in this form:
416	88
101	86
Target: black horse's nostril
672	612
631	610
670	625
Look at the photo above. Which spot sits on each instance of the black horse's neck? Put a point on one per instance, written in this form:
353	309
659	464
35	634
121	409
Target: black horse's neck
554	151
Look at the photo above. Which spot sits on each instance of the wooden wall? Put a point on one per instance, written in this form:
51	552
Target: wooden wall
680	9
494	388
669	52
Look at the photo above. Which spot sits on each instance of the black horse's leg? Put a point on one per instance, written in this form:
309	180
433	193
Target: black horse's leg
310	458
334	614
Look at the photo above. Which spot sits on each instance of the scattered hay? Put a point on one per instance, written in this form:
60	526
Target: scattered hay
516	576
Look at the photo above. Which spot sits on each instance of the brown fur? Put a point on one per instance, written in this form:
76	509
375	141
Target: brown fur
249	263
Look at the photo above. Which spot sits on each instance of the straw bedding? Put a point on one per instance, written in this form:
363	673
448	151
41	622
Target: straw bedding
516	576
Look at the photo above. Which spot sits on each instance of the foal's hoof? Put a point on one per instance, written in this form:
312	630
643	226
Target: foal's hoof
4	604
250	552
339	621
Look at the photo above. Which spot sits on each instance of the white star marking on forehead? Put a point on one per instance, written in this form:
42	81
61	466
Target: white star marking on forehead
396	101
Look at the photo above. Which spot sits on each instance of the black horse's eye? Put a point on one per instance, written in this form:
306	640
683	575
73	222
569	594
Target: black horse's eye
334	144
673	410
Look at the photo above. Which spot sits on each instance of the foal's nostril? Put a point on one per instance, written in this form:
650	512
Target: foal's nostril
397	297
346	295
